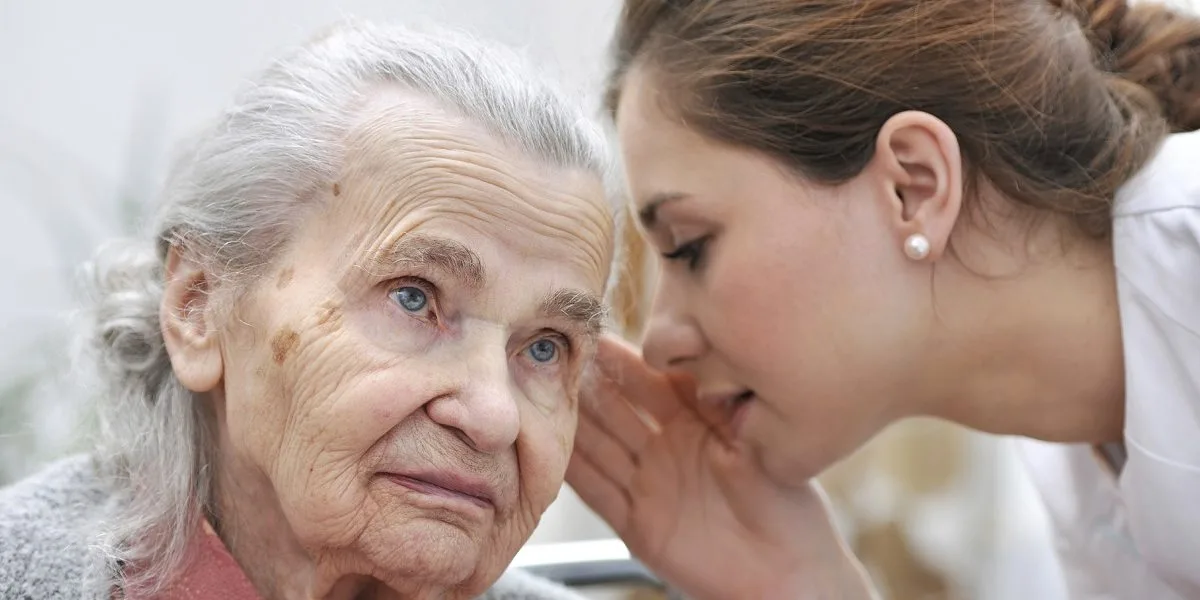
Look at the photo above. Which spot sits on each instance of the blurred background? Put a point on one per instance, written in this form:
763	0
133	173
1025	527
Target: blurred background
94	95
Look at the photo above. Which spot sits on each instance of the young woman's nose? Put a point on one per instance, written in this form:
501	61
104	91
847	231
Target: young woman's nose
672	338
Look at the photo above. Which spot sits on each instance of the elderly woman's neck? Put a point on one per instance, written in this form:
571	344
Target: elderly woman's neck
250	522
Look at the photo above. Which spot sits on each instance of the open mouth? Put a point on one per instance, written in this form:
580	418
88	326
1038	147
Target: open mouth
737	409
742	398
729	409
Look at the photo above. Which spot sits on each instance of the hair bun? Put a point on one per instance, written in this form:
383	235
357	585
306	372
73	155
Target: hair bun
1149	44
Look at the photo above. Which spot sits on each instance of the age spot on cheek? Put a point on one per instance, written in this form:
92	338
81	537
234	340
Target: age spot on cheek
329	314
285	278
282	344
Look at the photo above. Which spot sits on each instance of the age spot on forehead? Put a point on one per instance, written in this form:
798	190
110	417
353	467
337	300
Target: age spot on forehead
337	189
282	344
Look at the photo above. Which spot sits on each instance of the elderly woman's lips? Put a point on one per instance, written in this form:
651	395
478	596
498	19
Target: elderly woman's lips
446	485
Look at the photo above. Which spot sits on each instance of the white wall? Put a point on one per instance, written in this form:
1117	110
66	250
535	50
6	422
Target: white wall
93	93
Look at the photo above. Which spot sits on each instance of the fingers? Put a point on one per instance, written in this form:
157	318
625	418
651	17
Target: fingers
605	453
601	471
619	371
612	413
599	492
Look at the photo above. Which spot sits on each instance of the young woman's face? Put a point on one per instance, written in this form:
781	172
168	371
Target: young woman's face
793	295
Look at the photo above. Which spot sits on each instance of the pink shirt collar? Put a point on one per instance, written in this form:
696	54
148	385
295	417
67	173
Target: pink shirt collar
210	573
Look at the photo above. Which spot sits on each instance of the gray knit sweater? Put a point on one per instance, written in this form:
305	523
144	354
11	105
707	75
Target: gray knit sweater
48	521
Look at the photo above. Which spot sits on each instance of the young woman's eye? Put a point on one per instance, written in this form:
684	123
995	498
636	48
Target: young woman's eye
692	253
414	299
544	351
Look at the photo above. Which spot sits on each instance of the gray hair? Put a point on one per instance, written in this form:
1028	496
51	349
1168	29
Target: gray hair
232	201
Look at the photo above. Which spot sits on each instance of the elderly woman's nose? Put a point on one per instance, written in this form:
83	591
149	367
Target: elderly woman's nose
484	407
672	338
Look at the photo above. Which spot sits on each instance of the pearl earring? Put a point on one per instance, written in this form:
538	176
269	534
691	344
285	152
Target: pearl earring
916	246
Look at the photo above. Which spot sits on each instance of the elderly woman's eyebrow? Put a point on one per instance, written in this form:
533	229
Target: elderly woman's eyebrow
429	251
582	308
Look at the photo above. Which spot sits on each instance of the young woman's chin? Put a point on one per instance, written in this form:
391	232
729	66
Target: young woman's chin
787	455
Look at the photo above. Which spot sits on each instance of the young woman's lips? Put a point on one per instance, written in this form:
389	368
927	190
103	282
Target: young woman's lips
730	408
739	409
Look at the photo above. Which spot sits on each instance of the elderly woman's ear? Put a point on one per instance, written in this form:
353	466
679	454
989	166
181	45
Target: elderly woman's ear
188	326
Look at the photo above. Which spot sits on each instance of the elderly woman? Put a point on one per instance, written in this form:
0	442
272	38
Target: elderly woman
346	364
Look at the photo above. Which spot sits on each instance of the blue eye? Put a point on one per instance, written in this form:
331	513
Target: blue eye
543	351
412	299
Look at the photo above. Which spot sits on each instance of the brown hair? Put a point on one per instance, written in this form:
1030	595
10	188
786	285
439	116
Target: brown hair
1055	103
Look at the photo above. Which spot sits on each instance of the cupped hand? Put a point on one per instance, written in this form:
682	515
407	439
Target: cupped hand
688	501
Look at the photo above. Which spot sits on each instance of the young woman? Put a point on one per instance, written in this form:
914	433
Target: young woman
986	211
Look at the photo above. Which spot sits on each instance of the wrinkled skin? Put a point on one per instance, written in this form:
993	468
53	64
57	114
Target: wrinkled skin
333	375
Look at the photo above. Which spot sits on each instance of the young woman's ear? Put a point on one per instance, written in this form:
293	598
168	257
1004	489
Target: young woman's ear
921	166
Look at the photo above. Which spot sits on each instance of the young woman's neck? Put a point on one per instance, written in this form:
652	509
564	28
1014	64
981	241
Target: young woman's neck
1034	351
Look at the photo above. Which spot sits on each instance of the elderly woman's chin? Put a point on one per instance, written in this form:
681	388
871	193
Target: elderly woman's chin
418	548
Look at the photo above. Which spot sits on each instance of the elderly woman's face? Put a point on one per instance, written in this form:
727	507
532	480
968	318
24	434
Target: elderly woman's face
405	378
